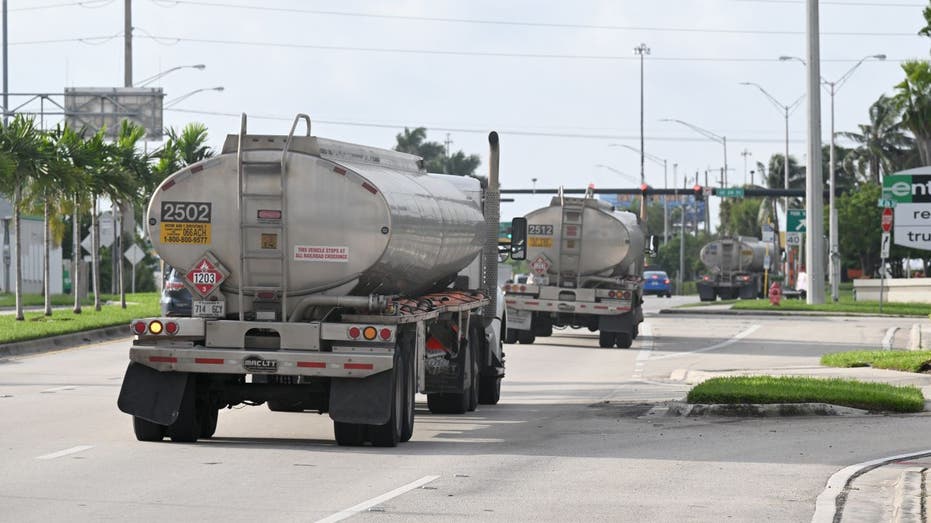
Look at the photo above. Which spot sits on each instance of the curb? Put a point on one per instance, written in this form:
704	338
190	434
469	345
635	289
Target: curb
753	410
733	312
65	341
914	338
906	505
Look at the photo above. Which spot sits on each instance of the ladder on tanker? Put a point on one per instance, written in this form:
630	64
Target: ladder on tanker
570	243
263	190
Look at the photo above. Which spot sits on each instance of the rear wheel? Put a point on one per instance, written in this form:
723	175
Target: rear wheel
510	335
489	392
475	345
145	430
410	388
389	434
605	339
208	422
285	405
623	340
526	337
186	427
349	434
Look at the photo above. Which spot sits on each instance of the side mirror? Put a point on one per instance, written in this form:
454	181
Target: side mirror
651	245
504	250
519	239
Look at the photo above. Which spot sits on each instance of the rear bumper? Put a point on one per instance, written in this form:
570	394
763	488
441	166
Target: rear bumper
245	361
603	308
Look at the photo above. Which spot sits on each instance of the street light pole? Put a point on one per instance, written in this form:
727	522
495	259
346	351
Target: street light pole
834	254
6	95
185	96
641	50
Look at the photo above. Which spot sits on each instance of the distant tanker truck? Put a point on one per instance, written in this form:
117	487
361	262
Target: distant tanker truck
735	268
586	260
327	276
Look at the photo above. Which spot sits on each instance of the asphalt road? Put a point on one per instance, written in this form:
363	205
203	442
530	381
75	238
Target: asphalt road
572	440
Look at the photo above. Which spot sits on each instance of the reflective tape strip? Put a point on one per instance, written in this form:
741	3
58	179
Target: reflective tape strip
163	359
358	366
209	361
312	364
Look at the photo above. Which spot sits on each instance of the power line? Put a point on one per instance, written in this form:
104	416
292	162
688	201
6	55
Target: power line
89	4
512	23
829	2
512	132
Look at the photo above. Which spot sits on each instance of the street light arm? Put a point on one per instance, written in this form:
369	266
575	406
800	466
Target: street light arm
648	156
190	94
146	81
704	132
771	98
616	171
846	76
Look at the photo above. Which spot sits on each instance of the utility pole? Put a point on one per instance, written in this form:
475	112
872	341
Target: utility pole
6	67
745	153
814	204
127	43
641	50
448	142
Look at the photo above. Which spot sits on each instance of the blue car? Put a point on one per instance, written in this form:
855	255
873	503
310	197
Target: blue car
656	282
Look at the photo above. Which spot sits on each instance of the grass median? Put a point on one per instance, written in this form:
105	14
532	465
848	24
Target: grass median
36	325
906	361
842	306
789	389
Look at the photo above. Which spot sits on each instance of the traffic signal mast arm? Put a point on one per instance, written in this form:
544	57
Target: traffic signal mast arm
748	192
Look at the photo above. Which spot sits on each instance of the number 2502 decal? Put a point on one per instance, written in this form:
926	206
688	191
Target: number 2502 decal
187	212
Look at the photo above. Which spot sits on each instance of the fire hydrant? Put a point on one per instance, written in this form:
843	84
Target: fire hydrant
775	294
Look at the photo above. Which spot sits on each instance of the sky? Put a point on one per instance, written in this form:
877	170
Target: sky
559	81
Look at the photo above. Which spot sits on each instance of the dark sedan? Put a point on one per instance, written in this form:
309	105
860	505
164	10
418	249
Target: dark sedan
176	299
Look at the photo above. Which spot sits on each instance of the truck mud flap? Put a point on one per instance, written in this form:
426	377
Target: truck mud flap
618	323
366	400
152	395
706	292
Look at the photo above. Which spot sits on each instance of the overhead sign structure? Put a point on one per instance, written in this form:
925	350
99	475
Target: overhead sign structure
911	190
795	220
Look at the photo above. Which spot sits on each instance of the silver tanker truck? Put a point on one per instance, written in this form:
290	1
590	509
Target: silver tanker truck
586	260
735	268
326	276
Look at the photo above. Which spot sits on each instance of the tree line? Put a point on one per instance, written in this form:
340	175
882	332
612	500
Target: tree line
62	174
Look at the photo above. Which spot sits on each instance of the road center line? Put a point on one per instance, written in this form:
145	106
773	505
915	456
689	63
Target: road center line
352	511
887	339
740	335
57	389
60	453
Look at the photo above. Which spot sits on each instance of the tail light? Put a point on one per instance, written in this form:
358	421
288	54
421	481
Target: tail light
666	281
173	286
139	327
171	328
354	332
612	294
156	327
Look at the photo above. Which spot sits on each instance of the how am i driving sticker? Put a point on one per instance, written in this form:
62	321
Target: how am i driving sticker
185	222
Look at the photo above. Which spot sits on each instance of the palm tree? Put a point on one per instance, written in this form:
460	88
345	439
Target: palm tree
913	98
131	171
21	141
775	178
880	142
48	191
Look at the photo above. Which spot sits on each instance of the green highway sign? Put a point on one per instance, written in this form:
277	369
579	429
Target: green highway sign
730	192
907	188
795	220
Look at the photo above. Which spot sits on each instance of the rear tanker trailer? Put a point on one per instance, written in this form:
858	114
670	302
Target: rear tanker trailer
586	260
327	276
735	268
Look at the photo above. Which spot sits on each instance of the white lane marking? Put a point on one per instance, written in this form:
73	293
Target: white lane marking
56	389
352	511
740	335
646	347
60	453
826	503
887	339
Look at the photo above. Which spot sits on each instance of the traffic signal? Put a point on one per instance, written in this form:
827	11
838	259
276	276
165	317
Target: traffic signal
699	192
644	191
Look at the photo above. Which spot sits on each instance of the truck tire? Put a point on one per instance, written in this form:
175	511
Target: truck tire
605	339
510	336
410	388
636	332
623	340
349	434
475	348
145	430
526	337
389	434
208	422
186	428
541	325
285	406
489	391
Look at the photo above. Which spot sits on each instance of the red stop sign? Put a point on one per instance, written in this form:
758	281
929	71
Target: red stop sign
887	219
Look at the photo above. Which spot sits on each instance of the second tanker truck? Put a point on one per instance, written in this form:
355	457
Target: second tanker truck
327	276
586	260
735	268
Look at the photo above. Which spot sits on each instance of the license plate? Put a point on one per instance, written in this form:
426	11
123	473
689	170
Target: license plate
209	309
